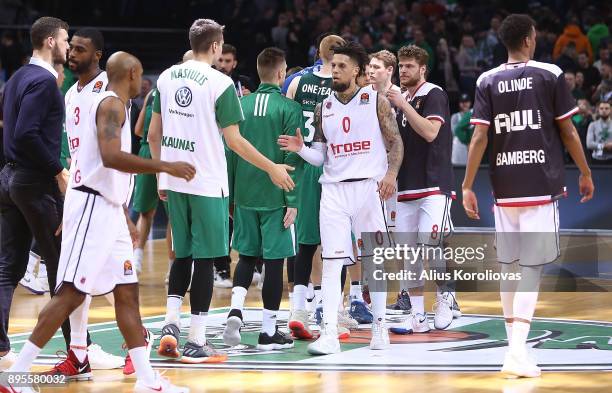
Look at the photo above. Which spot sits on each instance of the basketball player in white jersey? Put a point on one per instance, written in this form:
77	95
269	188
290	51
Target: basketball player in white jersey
96	246
353	130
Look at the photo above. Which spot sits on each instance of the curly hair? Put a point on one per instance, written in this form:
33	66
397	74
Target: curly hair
419	54
355	52
514	29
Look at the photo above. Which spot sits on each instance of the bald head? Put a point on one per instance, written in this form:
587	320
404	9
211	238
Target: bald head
123	68
325	47
188	56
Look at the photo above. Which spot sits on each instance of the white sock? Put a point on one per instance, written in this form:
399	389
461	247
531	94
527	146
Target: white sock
330	285
138	254
356	293
291	300
341	303
418	304
318	293
32	261
299	297
197	330
26	357
142	365
508	327
310	293
173	310
42	269
520	331
379	305
78	329
268	324
238	296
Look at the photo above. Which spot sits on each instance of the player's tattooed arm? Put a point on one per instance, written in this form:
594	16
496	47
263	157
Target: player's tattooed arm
395	147
318	125
391	135
109	122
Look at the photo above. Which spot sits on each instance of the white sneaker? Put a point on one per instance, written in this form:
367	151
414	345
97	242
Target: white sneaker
7	360
443	311
380	336
345	320
326	344
520	365
100	360
31	283
161	384
231	333
299	325
415	323
256	278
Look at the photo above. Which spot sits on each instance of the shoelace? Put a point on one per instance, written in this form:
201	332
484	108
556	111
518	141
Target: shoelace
64	366
447	299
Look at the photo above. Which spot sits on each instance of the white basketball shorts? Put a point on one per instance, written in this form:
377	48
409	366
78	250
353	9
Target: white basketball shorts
97	251
424	221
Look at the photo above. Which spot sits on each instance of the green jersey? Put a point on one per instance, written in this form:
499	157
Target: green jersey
268	114
65	152
147	118
312	89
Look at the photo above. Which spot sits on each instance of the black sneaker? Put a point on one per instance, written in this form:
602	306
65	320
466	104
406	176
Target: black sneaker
278	341
231	333
194	353
223	279
169	341
402	305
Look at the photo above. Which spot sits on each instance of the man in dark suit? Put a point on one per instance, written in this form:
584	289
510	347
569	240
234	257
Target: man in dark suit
33	180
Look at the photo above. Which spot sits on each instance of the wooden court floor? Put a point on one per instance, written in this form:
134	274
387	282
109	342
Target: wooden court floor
587	306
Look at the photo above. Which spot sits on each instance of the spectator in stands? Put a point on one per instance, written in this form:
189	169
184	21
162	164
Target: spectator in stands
591	74
227	64
599	135
489	41
580	81
445	72
596	33
463	134
570	79
438	32
603	92
467	62
418	39
604	54
581	121
572	33
145	88
281	31
567	60
11	54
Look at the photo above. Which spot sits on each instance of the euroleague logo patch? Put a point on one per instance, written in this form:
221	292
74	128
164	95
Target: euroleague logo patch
365	98
127	268
97	87
183	97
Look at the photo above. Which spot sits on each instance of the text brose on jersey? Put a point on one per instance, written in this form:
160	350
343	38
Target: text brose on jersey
355	148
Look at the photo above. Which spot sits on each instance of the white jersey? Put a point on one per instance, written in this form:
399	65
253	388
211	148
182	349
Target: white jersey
355	146
78	109
195	102
89	171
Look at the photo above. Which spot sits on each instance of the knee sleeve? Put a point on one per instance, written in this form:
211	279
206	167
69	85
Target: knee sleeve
180	276
202	286
272	291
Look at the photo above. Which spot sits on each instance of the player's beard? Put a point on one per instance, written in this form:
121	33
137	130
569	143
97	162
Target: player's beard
57	56
340	87
80	68
410	82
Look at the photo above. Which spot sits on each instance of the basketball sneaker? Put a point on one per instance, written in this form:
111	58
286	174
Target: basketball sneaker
128	368
41	276
319	313
402	305
443	310
359	312
300	325
161	384
520	365
194	354
326	344
414	323
278	341
169	341
345	320
31	283
71	368
222	279
380	336
343	333
231	333
100	360
7	360
310	305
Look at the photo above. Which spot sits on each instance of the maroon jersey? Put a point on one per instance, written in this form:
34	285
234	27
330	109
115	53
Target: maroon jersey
521	103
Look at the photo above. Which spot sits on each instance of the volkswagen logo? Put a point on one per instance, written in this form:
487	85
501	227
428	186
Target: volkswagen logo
183	96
